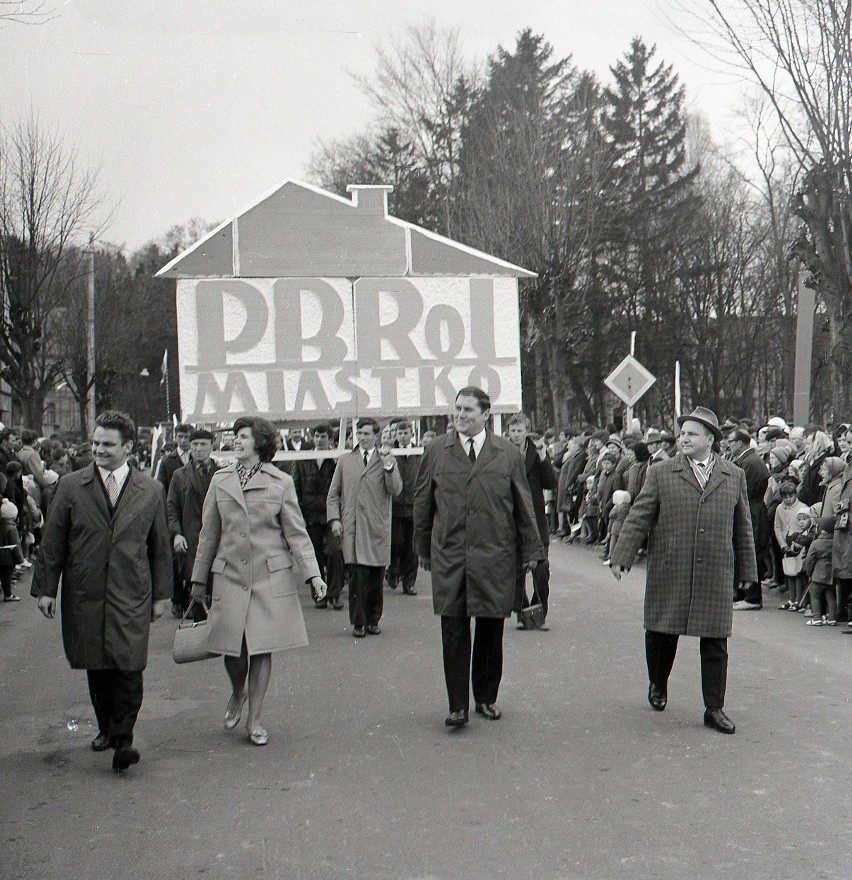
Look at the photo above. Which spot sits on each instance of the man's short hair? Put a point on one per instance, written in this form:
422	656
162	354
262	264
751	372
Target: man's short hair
183	429
482	398
520	418
115	420
402	423
369	423
29	436
263	432
323	428
740	435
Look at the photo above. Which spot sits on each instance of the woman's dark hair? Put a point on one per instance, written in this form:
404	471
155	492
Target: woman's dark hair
641	451
113	420
263	432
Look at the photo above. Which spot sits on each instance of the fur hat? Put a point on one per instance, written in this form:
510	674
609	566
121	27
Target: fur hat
8	511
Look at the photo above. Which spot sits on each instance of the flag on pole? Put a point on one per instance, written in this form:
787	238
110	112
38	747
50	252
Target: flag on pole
164	368
156	447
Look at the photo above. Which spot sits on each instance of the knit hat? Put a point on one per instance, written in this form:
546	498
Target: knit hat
826	524
8	511
782	454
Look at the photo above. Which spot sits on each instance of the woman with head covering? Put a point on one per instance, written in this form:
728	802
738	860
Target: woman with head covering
818	447
252	535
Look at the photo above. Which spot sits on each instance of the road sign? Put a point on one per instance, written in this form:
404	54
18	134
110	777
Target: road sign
629	380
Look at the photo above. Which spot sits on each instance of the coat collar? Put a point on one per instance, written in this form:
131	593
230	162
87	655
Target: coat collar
132	486
721	471
230	484
486	454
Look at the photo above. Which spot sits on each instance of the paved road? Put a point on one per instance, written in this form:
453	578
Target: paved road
580	779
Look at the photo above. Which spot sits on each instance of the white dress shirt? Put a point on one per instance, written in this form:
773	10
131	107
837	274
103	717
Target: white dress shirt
478	443
121	474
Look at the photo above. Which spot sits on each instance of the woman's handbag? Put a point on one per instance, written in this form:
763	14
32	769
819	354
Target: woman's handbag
191	640
792	565
532	617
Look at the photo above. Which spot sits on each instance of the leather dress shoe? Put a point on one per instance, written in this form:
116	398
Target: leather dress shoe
337	604
321	603
657	697
456	719
124	756
373	629
489	711
358	632
100	743
718	719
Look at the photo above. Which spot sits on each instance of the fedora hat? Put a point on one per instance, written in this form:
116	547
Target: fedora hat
705	417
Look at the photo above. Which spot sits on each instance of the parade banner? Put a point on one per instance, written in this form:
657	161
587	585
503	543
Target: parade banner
314	348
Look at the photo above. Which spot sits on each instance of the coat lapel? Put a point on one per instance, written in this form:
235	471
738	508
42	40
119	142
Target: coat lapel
126	507
486	454
95	494
231	486
451	442
721	470
682	467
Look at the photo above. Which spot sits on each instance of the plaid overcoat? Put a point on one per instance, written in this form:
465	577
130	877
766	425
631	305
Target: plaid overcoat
699	545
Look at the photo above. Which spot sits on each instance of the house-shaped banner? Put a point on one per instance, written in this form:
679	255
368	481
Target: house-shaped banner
309	305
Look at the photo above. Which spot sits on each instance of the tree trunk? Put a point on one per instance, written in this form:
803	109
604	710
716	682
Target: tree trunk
32	410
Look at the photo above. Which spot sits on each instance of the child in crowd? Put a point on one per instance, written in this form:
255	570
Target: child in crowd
786	525
11	554
620	508
591	515
818	569
801	539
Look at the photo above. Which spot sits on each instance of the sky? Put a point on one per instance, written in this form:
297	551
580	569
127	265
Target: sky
196	108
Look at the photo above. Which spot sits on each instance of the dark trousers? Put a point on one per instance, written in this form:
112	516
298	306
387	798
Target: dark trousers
7	575
180	590
365	594
329	553
844	598
541	586
660	650
116	697
486	669
403	564
752	593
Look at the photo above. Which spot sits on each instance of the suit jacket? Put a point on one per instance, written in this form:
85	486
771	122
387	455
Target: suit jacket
403	504
699	545
112	566
361	499
475	521
289	467
250	540
187	491
313	480
167	467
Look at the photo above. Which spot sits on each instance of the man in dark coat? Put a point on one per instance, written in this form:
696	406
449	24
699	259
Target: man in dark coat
106	541
473	517
403	565
187	490
757	480
313	480
693	509
169	464
541	475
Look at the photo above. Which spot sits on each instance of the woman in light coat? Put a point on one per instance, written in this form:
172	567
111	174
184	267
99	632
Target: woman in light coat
252	534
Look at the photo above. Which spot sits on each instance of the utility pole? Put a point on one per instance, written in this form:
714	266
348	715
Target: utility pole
90	338
804	348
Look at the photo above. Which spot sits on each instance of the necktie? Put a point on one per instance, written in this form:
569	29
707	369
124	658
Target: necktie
112	489
471	454
366	457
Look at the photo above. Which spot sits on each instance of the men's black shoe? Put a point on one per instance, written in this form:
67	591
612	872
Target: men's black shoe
358	632
456	719
409	591
657	697
489	711
124	756
337	604
100	743
321	603
373	629
718	719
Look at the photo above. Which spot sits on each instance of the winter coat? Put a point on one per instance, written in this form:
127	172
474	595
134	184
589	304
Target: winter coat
757	483
541	475
818	561
184	504
842	550
471	520
361	499
785	520
636	474
700	544
11	553
169	464
616	521
403	504
250	540
572	466
313	480
112	567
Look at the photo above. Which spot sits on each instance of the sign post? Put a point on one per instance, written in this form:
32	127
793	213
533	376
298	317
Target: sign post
629	381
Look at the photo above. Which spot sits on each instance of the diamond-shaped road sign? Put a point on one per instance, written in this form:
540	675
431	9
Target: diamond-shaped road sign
629	380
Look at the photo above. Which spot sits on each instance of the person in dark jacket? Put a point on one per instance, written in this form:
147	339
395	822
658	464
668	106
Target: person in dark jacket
757	480
313	480
106	543
403	564
818	568
541	475
166	469
185	500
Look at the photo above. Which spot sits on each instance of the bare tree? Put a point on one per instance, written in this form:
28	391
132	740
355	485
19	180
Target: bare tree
799	52
48	202
26	11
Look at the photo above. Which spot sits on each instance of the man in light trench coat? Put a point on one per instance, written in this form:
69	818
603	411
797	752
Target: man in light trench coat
358	510
473	521
694	511
107	542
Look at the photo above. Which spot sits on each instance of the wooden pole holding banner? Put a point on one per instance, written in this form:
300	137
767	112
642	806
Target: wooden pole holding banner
804	348
629	417
677	405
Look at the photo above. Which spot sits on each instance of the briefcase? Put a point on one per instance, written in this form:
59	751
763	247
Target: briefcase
191	640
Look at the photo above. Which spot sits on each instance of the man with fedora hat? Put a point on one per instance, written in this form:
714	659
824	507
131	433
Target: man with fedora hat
693	510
